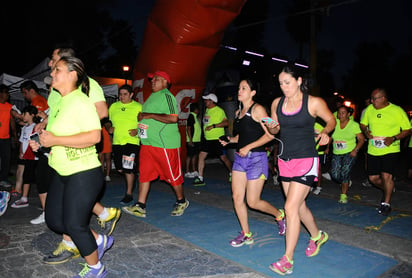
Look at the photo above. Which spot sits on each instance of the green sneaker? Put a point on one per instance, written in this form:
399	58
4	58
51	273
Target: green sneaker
135	210
109	224
199	182
179	209
343	199
62	254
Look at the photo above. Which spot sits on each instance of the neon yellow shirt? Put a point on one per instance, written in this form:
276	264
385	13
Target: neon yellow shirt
96	94
197	130
344	140
74	113
318	129
123	118
214	115
384	122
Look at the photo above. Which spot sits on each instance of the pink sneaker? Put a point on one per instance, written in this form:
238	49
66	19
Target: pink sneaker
283	266
314	245
241	240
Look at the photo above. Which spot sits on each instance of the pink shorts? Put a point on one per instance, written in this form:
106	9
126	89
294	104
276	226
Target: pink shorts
159	162
301	170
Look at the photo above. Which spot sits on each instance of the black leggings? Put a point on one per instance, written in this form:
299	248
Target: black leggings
69	206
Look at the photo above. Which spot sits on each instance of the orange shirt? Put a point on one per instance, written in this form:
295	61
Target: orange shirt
40	103
5	117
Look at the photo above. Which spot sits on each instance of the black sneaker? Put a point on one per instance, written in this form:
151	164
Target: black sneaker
385	209
127	199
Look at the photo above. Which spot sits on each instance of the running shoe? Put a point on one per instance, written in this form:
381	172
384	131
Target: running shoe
366	183
327	176
317	190
199	182
283	266
39	219
88	272
314	245
343	199
20	204
281	223
62	254
4	201
110	222
179	208
126	199
135	210
107	178
106	244
241	240
189	175
385	209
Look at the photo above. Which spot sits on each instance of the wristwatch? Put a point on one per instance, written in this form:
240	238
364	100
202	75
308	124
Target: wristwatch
394	138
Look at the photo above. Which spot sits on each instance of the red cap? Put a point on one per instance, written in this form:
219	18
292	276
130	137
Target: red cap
161	74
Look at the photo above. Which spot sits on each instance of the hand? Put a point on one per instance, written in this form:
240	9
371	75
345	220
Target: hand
209	127
34	145
46	138
323	139
133	132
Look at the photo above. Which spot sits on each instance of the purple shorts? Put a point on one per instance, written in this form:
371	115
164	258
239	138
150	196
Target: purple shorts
255	165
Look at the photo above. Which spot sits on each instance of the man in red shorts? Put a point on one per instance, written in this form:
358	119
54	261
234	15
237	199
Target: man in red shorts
159	145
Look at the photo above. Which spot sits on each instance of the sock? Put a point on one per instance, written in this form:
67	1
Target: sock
99	240
104	214
247	234
96	266
200	178
23	199
318	237
69	243
181	201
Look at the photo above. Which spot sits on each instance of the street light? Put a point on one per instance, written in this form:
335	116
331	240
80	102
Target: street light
125	70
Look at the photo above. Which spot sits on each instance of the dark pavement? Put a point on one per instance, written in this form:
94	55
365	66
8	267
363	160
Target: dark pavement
145	250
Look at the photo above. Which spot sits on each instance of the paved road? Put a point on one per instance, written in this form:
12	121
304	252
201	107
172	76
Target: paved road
144	250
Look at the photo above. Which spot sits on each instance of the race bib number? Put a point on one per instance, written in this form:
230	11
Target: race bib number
143	130
340	145
206	120
128	161
378	142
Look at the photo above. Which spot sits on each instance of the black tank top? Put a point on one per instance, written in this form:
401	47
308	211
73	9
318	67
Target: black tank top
249	131
296	132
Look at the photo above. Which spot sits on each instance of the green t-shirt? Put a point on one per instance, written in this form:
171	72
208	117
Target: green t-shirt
74	113
123	118
344	140
384	122
156	133
197	129
214	115
96	94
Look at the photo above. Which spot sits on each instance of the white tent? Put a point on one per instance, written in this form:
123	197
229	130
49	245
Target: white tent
13	82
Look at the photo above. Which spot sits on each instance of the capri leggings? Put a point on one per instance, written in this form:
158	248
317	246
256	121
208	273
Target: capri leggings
341	167
69	205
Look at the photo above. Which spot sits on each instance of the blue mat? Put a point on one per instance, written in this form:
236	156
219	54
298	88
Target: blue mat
353	214
212	229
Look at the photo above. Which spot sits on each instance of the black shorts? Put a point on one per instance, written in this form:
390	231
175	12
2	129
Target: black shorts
213	148
384	163
29	173
123	154
193	150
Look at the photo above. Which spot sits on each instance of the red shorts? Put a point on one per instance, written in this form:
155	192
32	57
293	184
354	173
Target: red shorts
159	162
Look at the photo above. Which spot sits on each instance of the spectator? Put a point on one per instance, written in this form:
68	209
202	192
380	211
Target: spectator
123	116
7	116
26	156
160	146
250	168
105	154
77	181
193	135
214	123
384	124
298	160
347	141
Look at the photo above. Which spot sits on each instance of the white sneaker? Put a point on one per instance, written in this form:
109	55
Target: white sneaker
317	190
326	176
38	220
107	178
188	175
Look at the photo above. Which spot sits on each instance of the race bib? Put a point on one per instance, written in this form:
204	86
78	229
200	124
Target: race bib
340	145
142	128
378	142
128	161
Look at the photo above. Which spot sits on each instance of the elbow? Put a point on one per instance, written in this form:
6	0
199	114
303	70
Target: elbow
95	136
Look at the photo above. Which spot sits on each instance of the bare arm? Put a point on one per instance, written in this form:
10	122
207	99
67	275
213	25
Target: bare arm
319	108
101	109
274	127
164	118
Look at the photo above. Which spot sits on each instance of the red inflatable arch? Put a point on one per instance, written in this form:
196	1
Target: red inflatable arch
181	38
